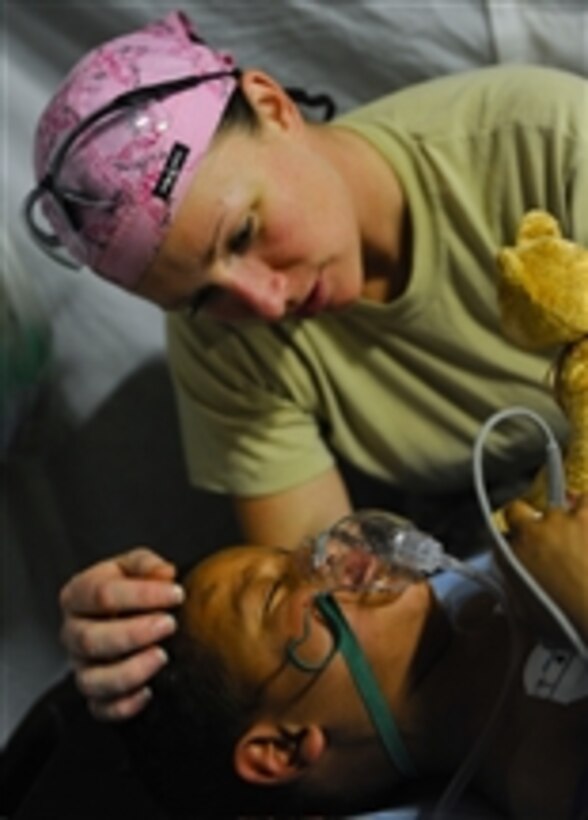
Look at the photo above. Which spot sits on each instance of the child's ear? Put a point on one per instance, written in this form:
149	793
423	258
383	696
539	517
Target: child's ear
270	100
270	754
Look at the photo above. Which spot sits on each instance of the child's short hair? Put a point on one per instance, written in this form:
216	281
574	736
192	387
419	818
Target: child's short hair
182	743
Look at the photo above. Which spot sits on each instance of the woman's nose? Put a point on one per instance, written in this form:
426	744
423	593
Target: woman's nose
260	289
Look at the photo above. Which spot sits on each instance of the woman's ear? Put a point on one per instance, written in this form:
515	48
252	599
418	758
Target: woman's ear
270	754
270	100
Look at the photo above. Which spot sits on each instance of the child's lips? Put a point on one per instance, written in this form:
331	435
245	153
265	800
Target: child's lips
360	569
353	570
337	567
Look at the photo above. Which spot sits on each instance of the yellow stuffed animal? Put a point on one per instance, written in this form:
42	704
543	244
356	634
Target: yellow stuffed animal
543	298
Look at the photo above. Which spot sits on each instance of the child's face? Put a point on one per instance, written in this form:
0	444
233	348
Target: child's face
248	603
267	229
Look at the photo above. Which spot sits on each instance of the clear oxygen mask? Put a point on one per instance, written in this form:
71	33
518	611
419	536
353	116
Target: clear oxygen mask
370	551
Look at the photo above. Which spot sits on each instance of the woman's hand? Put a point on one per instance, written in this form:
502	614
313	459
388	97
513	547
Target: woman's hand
114	614
553	547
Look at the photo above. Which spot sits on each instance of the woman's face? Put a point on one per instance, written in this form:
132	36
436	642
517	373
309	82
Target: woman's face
268	228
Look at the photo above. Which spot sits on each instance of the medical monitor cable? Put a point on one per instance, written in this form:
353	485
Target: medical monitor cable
556	493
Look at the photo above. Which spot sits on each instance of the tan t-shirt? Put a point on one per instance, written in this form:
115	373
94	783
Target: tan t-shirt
401	390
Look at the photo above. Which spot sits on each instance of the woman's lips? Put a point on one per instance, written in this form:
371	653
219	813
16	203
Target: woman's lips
315	302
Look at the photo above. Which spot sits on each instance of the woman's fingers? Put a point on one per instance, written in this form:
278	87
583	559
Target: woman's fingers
144	562
106	640
120	679
122	708
114	615
138	580
96	594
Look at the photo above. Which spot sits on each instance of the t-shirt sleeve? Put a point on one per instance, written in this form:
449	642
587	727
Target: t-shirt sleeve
243	432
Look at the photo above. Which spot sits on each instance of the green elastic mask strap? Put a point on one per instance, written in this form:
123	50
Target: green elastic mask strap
345	641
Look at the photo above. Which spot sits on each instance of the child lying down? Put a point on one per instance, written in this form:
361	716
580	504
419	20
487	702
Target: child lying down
269	704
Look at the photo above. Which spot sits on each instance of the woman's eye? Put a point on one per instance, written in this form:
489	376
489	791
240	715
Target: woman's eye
241	240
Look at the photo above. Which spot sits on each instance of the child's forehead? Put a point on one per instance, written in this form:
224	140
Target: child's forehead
229	557
207	585
221	568
222	605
